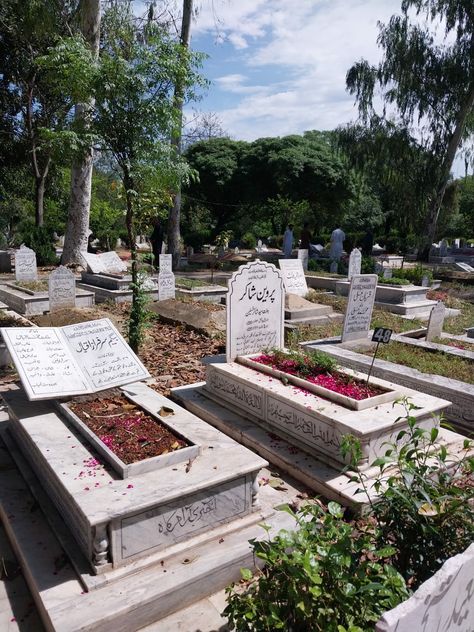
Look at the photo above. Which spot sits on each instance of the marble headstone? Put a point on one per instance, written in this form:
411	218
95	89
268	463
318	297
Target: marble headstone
62	289
436	321
333	268
387	273
259	245
293	276
425	282
360	305
255	309
465	267
166	278
112	263
443	248
355	262
303	256
166	263
25	264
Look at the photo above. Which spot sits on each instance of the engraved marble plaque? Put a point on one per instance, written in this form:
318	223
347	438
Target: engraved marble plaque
62	289
255	309
166	262
164	525
360	305
293	276
166	284
25	264
234	390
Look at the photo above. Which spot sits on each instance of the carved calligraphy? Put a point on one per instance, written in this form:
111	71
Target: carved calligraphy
25	264
62	289
359	307
293	276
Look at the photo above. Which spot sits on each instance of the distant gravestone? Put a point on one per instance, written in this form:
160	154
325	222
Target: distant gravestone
166	279
112	263
255	309
259	245
303	256
387	273
293	276
25	264
457	243
443	248
435	323
465	267
355	262
62	289
333	268
425	282
360	305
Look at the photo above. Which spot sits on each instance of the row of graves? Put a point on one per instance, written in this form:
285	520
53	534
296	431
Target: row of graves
142	532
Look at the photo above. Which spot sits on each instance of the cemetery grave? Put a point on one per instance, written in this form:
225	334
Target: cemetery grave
198	290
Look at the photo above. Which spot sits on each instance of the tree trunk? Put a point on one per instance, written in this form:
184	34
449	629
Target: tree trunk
77	227
435	205
40	183
174	217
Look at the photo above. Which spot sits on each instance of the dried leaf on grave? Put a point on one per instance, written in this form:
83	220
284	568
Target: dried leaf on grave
278	485
174	446
165	411
427	509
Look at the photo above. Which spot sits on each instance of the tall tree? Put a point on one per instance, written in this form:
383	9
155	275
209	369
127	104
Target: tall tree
174	218
77	226
429	86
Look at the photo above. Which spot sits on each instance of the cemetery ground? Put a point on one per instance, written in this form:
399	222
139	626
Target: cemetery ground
172	353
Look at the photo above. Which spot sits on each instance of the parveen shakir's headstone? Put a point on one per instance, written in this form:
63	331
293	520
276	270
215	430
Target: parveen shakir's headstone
436	321
293	276
166	279
72	360
62	289
355	262
303	256
255	309
25	264
360	305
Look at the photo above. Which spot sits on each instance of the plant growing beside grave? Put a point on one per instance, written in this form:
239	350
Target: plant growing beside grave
33	286
327	575
425	509
317	367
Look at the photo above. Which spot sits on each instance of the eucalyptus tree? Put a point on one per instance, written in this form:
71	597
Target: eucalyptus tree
427	85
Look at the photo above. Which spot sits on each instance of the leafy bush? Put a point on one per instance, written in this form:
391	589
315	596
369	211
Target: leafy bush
248	240
307	362
413	275
367	265
40	240
393	281
425	510
325	576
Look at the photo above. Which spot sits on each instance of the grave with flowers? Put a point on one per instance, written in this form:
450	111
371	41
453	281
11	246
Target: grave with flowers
296	407
136	494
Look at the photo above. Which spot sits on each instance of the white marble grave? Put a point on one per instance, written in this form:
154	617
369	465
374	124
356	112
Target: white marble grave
303	255
104	263
355	261
293	276
255	309
436	321
465	267
166	279
25	264
72	360
359	307
62	289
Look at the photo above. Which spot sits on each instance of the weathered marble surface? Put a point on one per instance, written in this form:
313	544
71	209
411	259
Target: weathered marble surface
293	276
30	304
359	308
25	264
62	289
436	321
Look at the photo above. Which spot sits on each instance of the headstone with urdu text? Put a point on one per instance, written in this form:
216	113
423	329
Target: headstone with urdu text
166	279
293	276
25	264
303	256
360	305
166	263
436	321
355	262
255	309
62	289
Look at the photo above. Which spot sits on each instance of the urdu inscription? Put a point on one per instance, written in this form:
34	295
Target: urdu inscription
359	306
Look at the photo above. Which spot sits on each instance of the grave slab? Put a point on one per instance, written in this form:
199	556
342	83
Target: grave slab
32	303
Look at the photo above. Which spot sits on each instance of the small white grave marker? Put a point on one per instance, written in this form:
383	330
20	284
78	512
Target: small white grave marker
436	321
355	262
25	264
359	307
62	289
387	273
255	309
166	278
465	267
166	263
303	256
425	282
105	263
293	276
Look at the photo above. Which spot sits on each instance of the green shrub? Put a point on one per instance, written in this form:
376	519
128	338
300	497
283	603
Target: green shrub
248	240
425	510
40	239
393	281
367	265
324	576
413	275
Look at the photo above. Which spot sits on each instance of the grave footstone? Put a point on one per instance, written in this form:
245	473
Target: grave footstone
360	305
62	289
436	321
355	262
255	309
303	256
293	276
25	264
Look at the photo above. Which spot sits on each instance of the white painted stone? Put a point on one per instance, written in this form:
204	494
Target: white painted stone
62	289
25	264
166	262
444	603
255	309
436	321
355	261
465	267
303	255
425	281
105	263
93	262
360	305
76	359
387	273
293	276
166	284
